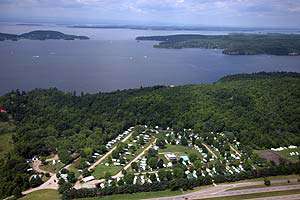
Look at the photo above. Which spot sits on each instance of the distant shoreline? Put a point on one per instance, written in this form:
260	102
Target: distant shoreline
233	44
41	35
183	28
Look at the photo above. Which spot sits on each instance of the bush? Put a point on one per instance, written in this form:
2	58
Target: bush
65	187
267	182
86	173
35	181
64	171
71	177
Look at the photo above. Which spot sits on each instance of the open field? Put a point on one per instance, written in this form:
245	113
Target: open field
102	169
42	195
179	150
257	195
137	196
52	168
6	131
5	145
72	168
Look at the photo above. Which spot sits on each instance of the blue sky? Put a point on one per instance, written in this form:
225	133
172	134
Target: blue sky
246	13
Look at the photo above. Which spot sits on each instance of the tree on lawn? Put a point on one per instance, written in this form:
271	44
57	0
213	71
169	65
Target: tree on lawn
152	162
128	178
160	163
178	173
184	141
134	166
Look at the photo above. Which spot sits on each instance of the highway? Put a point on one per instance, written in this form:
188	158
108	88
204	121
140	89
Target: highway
223	190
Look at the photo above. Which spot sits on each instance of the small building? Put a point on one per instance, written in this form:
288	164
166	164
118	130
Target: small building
185	158
171	156
87	179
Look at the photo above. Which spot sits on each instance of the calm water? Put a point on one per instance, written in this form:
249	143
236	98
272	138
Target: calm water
112	60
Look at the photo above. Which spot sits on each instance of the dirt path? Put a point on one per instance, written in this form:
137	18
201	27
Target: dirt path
108	153
118	175
210	151
36	167
233	149
52	183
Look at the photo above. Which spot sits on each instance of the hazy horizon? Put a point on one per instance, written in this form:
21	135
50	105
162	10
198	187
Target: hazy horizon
219	13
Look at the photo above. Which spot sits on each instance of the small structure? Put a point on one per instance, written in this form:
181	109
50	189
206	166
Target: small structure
2	109
185	158
171	156
88	178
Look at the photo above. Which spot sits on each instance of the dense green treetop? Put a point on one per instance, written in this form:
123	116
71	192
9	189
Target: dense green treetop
41	35
262	110
258	108
233	44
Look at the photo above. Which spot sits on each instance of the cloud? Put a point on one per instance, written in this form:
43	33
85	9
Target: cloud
249	12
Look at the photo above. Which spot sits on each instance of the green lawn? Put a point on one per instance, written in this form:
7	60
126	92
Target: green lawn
137	196
286	154
179	150
257	195
42	195
5	144
52	168
72	168
101	170
6	131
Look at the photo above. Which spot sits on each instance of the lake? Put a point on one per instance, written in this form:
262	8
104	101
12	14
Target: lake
113	60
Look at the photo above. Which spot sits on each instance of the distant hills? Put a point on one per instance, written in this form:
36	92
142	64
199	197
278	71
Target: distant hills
233	44
41	35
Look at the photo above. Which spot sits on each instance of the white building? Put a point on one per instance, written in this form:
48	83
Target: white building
87	179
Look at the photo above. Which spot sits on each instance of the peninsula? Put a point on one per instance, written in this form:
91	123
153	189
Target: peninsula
233	44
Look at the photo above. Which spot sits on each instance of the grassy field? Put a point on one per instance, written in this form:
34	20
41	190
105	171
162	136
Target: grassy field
52	168
72	168
42	195
101	170
5	144
286	154
137	196
6	131
179	150
257	195
263	186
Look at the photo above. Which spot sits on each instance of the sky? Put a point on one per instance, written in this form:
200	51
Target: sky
241	13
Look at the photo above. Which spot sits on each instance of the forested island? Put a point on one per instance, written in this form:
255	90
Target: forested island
233	44
260	110
41	35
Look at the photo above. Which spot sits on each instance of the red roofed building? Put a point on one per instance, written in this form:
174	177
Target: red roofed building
2	110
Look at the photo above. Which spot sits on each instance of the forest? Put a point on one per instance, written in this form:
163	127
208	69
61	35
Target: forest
262	110
41	35
233	44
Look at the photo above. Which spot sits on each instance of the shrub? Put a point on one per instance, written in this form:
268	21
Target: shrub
267	182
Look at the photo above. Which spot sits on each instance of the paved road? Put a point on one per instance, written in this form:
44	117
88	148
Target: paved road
285	197
254	190
108	153
223	191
